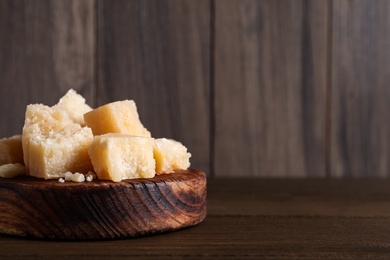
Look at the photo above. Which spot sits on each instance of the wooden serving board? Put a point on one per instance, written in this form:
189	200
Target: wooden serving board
31	207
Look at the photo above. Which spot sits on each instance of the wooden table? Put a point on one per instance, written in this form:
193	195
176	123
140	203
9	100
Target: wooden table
254	218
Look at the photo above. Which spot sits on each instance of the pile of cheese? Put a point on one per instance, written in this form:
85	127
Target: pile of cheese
71	141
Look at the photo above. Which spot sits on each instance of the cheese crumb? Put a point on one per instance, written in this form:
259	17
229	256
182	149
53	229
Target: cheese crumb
75	177
90	176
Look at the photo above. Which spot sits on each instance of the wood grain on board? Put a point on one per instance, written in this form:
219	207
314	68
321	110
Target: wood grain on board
270	88
101	209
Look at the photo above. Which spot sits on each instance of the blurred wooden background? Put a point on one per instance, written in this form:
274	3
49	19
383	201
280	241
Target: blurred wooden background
258	88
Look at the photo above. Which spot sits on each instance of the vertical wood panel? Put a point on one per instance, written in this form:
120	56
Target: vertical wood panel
361	92
46	47
270	88
157	53
269	76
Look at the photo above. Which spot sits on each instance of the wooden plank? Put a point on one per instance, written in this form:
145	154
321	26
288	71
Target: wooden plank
157	53
223	237
46	47
229	234
270	86
299	197
360	92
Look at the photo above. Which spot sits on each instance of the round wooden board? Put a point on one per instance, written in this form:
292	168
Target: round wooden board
31	207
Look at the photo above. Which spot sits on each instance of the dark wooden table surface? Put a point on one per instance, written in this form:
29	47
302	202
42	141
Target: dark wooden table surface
254	218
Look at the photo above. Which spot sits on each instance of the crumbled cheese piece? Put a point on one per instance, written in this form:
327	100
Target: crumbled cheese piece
61	180
40	121
75	177
119	156
75	105
170	155
11	150
53	139
116	117
11	170
90	176
59	152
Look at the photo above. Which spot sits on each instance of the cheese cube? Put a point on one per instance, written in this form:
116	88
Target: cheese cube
170	155
53	155
75	105
40	120
116	117
118	156
11	150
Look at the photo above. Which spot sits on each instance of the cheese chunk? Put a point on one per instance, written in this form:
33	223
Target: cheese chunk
11	150
53	155
12	170
43	122
75	105
117	117
118	156
40	120
170	155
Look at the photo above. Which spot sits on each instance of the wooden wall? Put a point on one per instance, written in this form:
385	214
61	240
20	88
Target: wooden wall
265	88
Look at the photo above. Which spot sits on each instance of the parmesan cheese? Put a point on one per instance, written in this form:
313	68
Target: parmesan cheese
117	117
74	104
12	170
118	156
90	176
170	155
59	152
75	177
53	139
41	120
11	150
72	137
